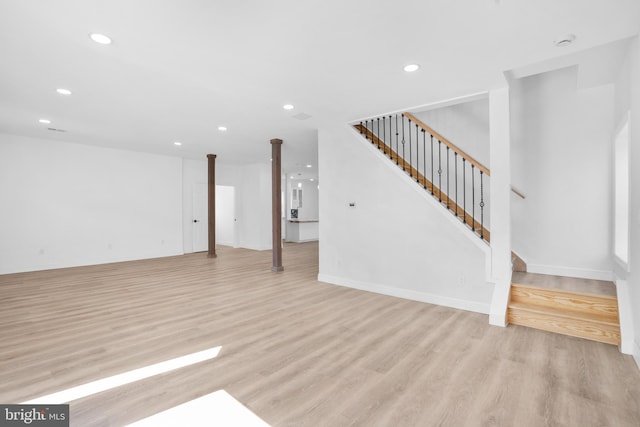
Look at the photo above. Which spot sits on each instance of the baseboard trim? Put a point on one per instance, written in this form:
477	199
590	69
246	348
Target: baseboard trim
581	273
460	304
498	320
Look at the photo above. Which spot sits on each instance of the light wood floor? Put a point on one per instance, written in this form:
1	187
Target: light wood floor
295	351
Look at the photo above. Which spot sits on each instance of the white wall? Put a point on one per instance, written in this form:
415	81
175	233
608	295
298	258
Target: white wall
69	204
253	198
628	99
561	160
397	240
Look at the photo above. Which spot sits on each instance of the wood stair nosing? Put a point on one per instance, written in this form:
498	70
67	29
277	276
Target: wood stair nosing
425	183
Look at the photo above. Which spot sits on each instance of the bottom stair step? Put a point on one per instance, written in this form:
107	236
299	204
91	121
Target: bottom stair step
564	323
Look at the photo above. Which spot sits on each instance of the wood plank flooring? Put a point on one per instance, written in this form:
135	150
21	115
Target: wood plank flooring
295	351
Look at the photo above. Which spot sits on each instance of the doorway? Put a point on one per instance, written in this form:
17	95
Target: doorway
225	216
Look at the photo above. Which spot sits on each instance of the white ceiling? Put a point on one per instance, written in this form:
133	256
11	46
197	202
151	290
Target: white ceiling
180	68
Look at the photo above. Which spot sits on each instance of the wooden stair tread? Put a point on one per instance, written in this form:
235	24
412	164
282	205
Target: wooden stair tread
569	304
562	283
582	316
587	329
566	293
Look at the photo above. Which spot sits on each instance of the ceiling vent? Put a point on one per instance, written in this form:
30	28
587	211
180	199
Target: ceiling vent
302	116
56	130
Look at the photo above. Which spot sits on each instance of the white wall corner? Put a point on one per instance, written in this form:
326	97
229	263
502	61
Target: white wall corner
500	161
636	353
499	303
626	319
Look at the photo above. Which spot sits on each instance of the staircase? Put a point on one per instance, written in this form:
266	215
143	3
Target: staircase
458	182
444	170
579	314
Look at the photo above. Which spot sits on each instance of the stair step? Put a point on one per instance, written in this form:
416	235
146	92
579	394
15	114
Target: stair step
598	307
593	317
547	320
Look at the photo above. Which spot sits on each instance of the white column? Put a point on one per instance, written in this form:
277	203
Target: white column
500	160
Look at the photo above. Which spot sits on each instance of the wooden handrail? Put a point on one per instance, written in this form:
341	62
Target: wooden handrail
448	143
518	192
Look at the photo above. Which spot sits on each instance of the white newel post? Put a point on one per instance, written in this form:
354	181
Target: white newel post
500	160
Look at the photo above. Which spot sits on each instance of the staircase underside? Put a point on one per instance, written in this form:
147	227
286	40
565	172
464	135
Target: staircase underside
579	308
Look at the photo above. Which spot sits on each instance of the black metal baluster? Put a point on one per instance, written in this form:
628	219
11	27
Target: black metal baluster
390	138
440	171
464	191
455	163
417	155
473	199
361	131
432	181
410	161
384	135
378	133
397	147
403	158
424	160
448	193
367	128
481	208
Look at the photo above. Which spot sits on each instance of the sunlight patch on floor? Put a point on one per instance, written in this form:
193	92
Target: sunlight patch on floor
98	386
218	409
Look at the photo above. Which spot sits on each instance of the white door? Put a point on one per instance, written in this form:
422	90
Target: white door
226	215
200	220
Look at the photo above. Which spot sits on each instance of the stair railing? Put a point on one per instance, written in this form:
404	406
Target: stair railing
453	177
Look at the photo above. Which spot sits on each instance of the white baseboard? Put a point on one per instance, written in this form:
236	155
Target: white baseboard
474	306
254	247
581	273
498	320
636	353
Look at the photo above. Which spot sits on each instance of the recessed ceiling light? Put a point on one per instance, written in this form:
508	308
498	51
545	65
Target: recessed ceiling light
222	128
46	121
308	166
100	38
299	185
311	179
565	40
178	143
63	91
411	68
287	107
292	177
